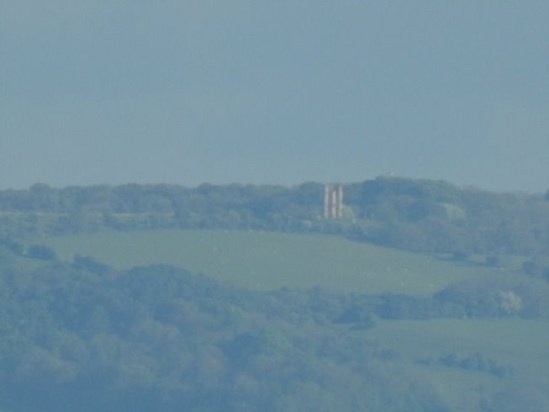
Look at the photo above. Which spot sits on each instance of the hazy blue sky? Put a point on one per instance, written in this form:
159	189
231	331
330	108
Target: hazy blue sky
274	91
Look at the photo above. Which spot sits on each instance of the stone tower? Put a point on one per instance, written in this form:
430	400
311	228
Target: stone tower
333	201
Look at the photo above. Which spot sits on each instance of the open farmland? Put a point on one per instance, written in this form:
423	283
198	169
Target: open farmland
467	360
264	260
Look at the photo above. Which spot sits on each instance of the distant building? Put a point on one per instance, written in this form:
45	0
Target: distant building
333	201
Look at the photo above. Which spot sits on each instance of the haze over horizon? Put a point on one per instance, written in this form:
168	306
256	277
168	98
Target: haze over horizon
282	92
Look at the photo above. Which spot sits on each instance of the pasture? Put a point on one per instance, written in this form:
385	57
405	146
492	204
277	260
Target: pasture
466	362
265	260
517	345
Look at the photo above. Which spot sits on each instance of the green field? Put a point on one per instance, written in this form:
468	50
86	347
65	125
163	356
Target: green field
265	260
518	345
421	348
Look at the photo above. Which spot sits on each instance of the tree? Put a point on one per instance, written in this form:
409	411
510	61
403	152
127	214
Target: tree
41	252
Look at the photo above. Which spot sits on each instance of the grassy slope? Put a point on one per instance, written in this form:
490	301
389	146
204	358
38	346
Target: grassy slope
270	260
260	260
517	344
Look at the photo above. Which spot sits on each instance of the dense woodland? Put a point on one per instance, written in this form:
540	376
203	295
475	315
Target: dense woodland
80	335
416	215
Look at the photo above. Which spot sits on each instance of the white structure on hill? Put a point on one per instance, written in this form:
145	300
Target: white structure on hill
333	201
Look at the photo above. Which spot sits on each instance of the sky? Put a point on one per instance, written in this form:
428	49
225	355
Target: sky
274	92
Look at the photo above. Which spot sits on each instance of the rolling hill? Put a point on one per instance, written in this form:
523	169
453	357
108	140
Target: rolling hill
265	260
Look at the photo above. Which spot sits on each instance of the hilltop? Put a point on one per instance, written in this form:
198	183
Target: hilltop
415	215
423	296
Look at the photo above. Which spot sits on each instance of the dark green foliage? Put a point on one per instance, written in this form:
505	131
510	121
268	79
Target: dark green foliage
90	264
42	252
13	246
493	261
417	215
470	362
460	256
532	268
495	297
429	216
84	337
360	316
536	268
392	306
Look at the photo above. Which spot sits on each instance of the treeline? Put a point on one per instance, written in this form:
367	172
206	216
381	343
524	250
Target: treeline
497	296
416	215
435	216
83	336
